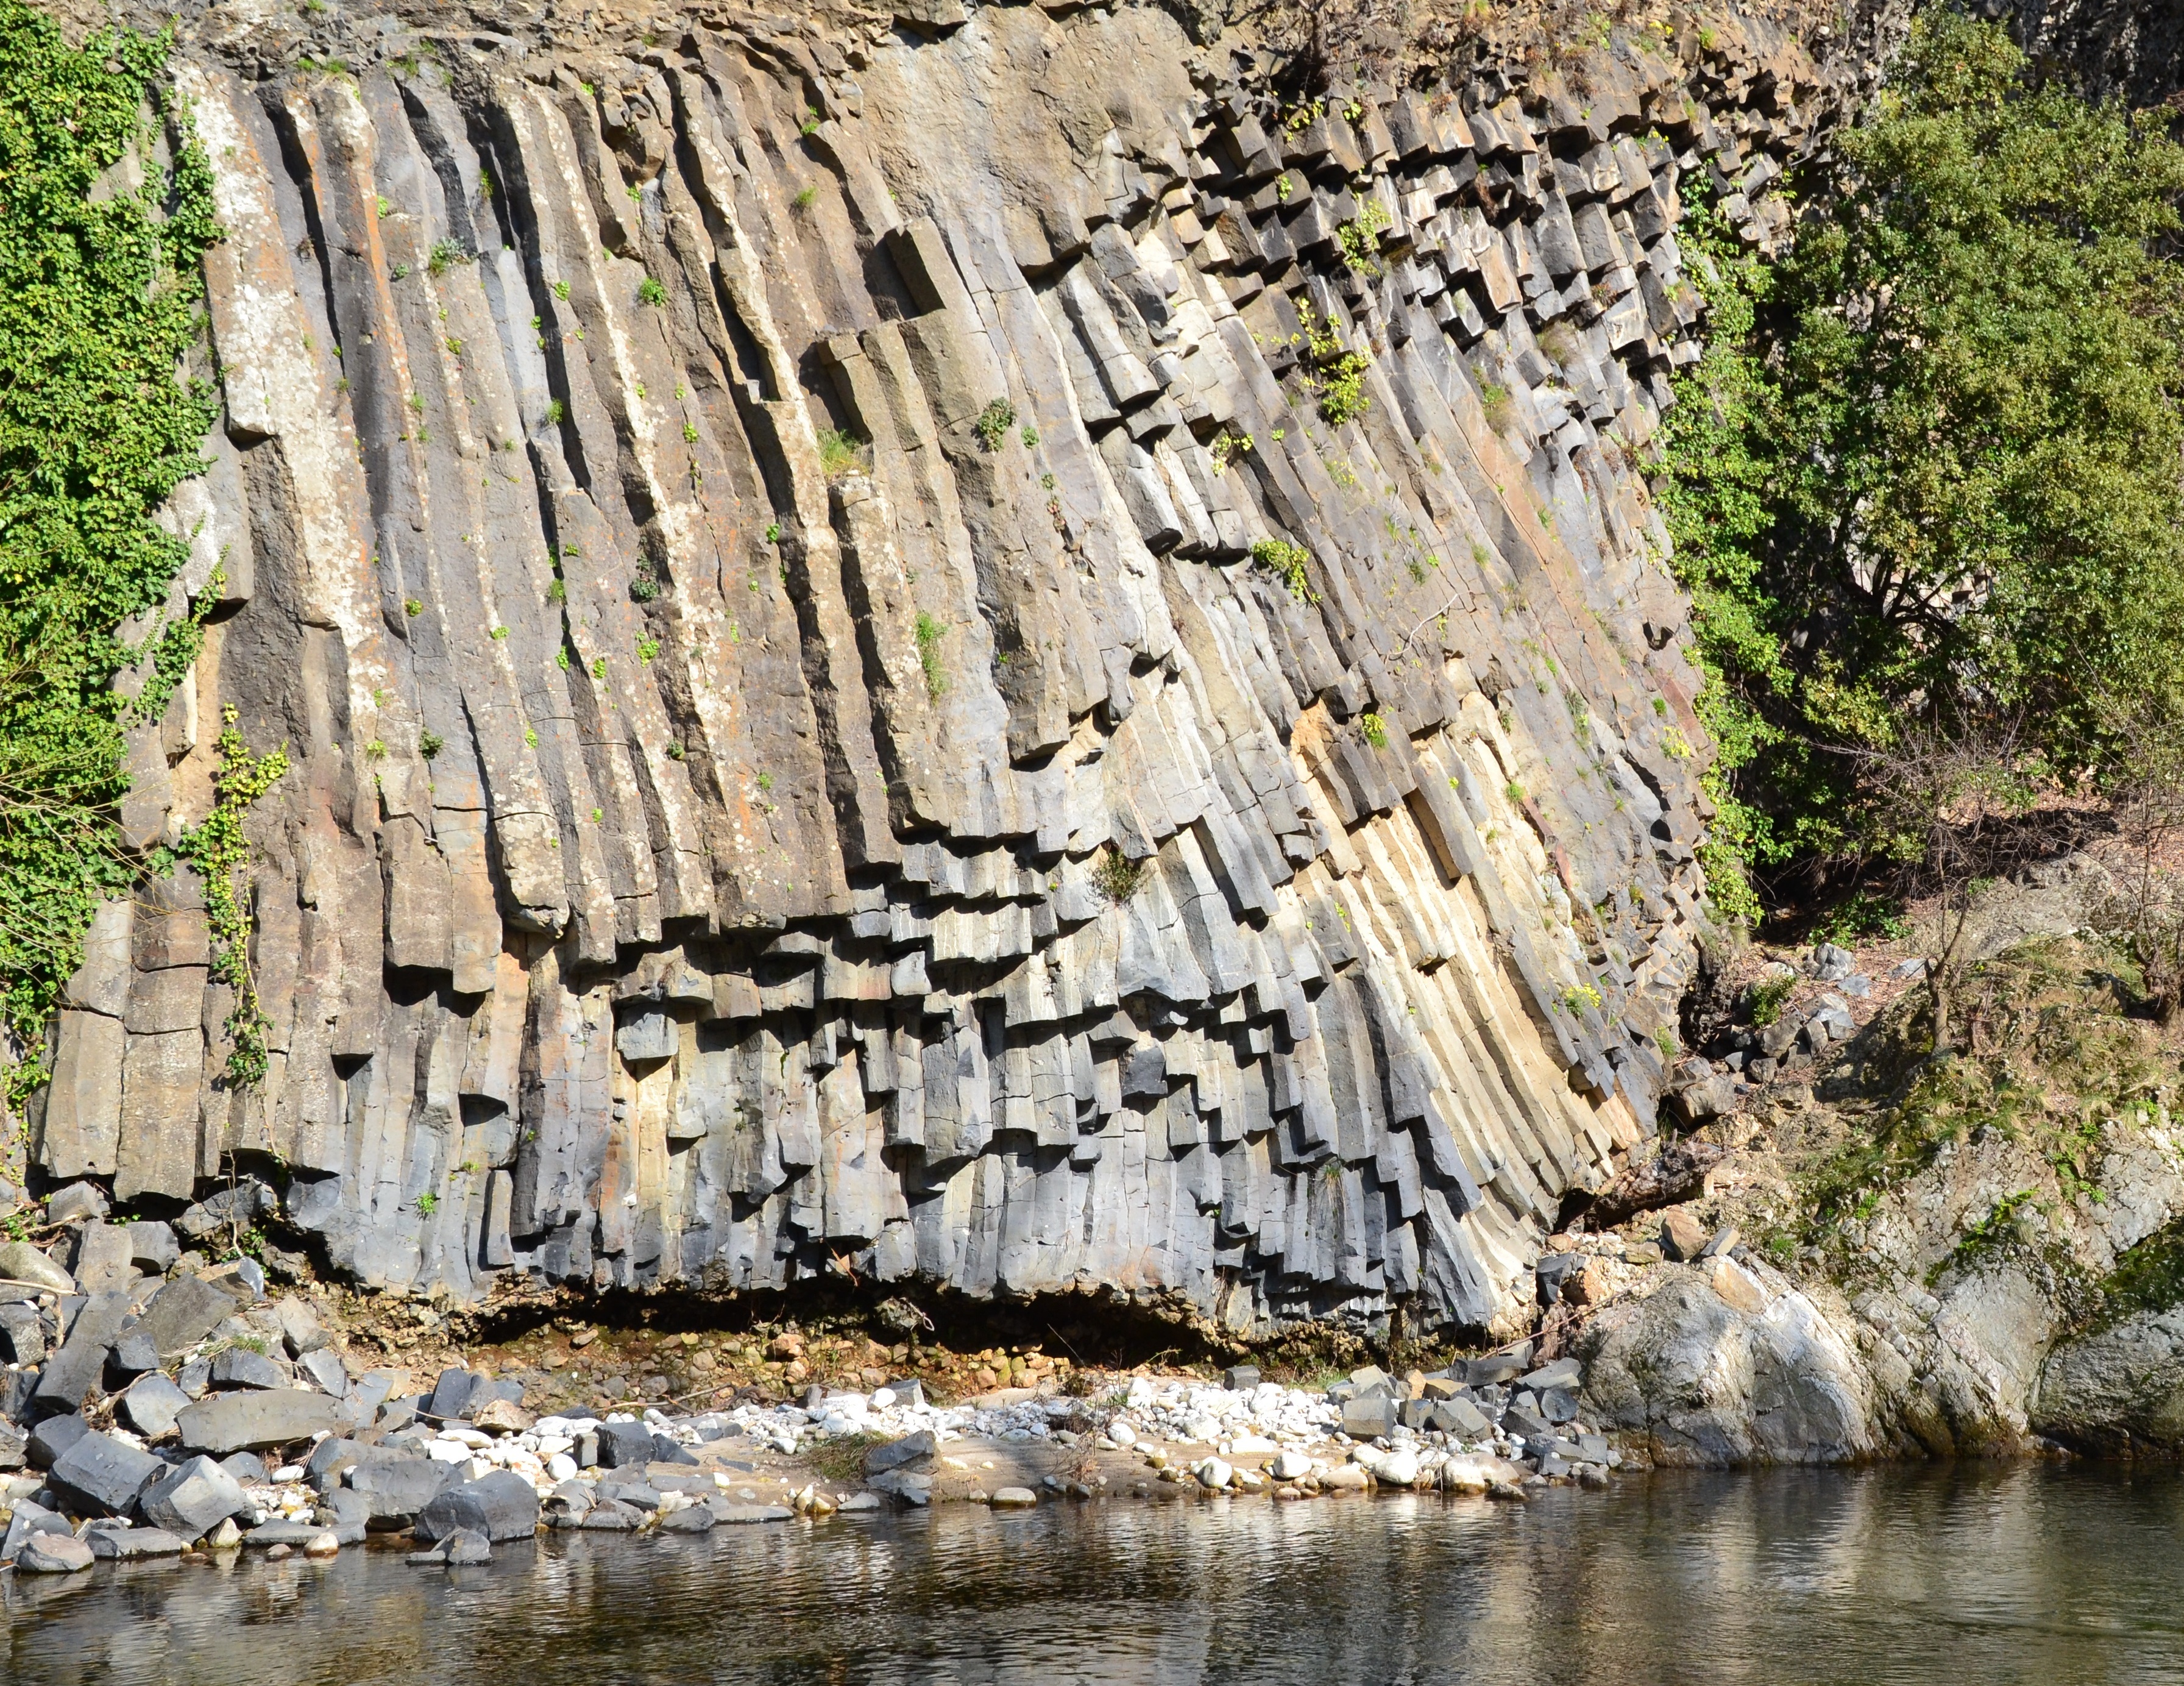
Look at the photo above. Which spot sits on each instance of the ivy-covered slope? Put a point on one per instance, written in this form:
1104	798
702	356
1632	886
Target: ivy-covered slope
102	225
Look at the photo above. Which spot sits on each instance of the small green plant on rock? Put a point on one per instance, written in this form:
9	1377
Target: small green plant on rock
1579	997
1375	730
1116	876
1286	561
1226	447
994	423
1360	238
929	633
444	256
1333	374
650	291
840	452
220	853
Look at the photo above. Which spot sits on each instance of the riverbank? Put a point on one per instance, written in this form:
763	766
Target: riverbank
464	1468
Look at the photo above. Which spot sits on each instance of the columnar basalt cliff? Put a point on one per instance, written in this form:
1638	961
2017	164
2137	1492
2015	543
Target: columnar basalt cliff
977	653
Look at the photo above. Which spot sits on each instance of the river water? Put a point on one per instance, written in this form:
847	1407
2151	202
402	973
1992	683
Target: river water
1976	1573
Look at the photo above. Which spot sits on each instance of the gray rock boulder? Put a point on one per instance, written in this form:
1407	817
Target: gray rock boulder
895	1453
22	1334
240	1367
2117	1390
99	1475
346	1515
20	1262
398	1489
75	1203
323	1368
332	1457
247	1467
913	1487
125	1544
72	1371
1368	1419
183	1313
300	1330
1725	1364
253	1420
737	1516
501	1506
152	1247
133	1355
51	1438
191	1499
451	1393
27	1519
153	1405
625	1445
47	1553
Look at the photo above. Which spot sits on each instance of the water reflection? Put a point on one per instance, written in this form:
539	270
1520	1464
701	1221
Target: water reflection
1992	1574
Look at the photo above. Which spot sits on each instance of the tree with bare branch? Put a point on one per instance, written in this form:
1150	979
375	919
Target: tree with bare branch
1950	810
2141	913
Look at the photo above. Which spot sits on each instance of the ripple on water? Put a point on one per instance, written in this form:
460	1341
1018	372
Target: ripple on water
1987	1574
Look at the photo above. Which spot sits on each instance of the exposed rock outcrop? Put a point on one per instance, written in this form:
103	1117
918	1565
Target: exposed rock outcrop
1980	1255
749	543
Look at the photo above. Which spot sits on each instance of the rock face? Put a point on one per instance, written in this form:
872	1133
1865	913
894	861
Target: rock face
1726	1364
749	546
2119	1389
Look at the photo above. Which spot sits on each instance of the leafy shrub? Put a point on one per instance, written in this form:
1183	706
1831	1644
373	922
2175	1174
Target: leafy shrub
1764	1000
1863	915
1924	477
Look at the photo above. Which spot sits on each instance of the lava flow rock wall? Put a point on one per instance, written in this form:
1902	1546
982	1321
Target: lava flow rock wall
795	768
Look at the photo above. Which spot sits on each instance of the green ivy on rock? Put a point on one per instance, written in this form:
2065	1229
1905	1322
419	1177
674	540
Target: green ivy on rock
100	284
